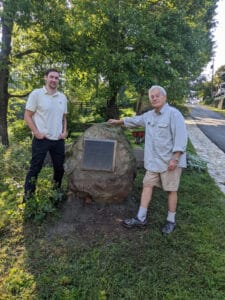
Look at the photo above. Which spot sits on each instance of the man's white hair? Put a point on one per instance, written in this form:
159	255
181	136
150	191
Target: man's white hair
160	88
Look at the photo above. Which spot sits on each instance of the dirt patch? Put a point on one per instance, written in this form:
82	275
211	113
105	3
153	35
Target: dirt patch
89	220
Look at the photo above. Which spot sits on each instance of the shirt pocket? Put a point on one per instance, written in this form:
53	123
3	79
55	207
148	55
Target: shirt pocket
163	130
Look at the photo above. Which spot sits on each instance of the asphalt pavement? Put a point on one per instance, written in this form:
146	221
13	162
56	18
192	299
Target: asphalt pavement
212	124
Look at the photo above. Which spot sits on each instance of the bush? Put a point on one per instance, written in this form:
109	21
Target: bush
19	130
15	160
45	200
195	162
208	100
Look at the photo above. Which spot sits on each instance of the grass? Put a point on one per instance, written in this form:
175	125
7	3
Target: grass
121	264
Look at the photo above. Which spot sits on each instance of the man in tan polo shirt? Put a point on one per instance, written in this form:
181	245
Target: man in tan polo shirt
45	115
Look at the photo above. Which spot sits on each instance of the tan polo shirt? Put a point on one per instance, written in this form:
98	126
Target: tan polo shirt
48	111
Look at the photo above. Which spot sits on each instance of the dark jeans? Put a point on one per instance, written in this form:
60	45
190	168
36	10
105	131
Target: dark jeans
40	148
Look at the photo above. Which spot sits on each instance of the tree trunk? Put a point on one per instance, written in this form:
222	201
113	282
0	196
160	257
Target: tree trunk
7	26
112	111
3	111
139	103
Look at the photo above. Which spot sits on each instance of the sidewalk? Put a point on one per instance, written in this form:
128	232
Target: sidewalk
209	152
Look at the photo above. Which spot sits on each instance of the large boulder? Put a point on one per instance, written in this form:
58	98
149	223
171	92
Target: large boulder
98	185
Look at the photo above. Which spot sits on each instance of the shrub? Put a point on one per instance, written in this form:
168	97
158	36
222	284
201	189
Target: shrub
195	162
19	131
16	159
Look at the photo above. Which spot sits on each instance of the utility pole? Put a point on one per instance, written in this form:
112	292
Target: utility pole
212	68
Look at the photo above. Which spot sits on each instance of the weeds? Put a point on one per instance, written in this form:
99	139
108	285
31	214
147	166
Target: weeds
195	162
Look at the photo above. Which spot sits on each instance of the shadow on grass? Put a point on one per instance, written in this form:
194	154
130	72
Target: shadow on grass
86	254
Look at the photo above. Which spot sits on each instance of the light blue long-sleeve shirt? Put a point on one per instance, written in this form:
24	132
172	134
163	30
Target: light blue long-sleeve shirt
165	133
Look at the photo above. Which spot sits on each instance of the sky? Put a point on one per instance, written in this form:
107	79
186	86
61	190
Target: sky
219	37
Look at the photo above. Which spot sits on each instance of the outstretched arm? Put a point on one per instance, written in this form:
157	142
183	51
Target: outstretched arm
116	122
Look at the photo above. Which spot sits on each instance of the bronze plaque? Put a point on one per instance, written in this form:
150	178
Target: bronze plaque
99	155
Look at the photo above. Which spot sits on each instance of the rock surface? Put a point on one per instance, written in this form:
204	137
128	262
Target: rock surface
97	185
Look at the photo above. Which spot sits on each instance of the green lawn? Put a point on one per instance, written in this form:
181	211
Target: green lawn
116	263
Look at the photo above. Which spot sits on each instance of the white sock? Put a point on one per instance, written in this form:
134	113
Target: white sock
171	216
142	213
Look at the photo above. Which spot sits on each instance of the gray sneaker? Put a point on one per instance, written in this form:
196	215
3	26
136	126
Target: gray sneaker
134	222
168	227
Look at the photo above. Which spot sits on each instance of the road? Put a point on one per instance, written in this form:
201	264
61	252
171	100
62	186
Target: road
211	123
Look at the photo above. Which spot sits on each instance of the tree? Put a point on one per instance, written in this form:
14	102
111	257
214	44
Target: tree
219	76
142	42
7	27
108	45
11	12
29	34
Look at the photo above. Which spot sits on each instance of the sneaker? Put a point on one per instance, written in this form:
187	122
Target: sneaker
134	222
168	227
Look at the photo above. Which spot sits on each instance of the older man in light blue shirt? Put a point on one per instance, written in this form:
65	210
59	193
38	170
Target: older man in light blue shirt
164	156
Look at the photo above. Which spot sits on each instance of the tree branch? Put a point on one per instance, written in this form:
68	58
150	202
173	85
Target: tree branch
27	52
18	96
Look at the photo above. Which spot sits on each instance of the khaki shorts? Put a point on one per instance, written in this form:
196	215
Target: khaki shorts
169	180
